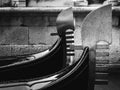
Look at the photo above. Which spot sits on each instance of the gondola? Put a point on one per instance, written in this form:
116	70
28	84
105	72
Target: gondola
48	70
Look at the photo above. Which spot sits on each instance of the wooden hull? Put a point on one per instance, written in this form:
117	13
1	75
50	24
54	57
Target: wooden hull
74	76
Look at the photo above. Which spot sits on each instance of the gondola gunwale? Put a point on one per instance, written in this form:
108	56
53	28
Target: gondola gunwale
74	67
48	54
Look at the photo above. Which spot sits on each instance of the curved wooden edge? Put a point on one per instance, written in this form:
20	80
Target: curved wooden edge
51	80
32	58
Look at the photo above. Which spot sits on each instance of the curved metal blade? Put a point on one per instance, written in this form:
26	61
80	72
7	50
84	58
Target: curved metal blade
97	26
65	21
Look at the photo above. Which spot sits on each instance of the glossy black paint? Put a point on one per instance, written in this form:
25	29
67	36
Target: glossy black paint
78	80
53	62
46	65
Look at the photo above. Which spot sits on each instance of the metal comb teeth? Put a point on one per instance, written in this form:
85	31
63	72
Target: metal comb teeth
69	41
